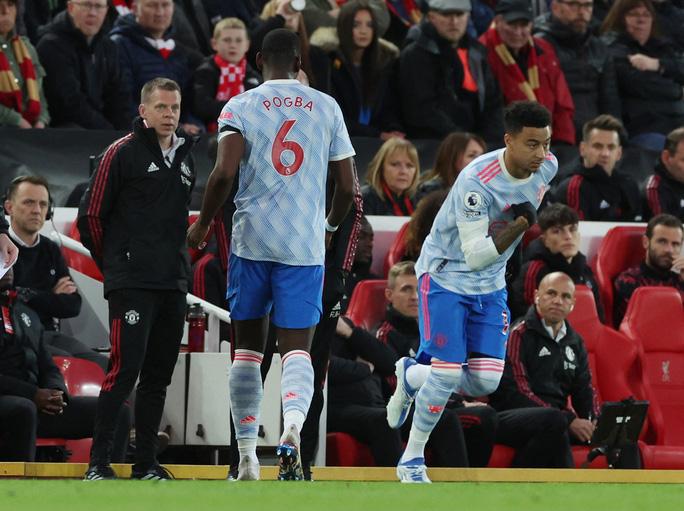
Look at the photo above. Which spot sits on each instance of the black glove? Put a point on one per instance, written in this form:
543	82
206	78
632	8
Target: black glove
527	210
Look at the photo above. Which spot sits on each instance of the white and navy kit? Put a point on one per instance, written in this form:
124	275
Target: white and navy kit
291	132
462	276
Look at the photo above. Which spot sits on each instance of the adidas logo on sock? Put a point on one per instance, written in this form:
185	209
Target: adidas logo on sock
152	168
250	419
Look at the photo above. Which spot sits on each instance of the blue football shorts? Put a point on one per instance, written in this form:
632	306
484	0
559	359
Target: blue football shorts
453	325
293	292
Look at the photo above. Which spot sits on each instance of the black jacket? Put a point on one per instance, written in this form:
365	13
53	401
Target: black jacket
351	381
25	364
663	194
539	262
134	215
4	226
83	82
434	102
599	197
651	100
588	68
141	62
542	372
206	78
373	204
36	272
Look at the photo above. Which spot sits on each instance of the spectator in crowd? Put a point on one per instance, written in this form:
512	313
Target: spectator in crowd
596	189
670	19
362	377
547	368
41	276
225	74
527	68
33	396
147	50
280	14
588	68
392	179
665	188
556	250
663	264
650	73
456	151
421	222
22	99
84	81
444	79
324	13
361	67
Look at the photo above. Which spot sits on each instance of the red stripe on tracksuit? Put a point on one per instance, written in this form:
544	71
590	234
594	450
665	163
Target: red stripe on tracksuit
115	367
530	283
519	372
97	193
652	195
353	241
573	194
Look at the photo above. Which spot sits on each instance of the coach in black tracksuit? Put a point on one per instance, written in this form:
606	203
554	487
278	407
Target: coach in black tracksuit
133	218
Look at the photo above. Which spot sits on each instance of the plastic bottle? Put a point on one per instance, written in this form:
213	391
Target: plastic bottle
197	323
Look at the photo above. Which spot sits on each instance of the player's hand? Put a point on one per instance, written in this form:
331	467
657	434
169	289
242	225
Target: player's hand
581	429
64	286
196	235
527	211
8	250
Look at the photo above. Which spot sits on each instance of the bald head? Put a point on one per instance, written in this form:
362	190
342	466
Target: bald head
555	297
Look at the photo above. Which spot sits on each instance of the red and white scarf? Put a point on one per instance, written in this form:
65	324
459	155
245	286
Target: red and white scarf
164	46
231	82
10	93
123	7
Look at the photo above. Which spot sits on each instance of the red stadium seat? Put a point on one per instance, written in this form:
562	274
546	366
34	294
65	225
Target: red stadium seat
343	450
397	249
621	248
655	322
80	262
82	378
367	304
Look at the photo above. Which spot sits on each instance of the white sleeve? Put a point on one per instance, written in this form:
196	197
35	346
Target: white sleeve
477	246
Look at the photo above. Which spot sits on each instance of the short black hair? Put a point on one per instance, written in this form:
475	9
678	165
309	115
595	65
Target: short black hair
663	219
280	47
557	215
525	114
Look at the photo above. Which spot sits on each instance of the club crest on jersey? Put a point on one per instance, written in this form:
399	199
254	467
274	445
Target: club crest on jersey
473	201
132	317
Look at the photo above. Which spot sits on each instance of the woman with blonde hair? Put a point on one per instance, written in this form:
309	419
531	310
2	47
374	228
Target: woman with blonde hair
392	179
456	151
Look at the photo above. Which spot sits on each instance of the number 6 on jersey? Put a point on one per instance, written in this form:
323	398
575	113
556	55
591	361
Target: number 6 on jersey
280	145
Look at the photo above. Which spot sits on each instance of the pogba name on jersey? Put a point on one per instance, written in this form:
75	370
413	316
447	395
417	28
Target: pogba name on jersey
287	102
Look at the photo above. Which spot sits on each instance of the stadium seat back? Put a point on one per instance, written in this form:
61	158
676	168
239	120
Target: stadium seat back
80	262
655	322
367	304
397	249
82	377
621	248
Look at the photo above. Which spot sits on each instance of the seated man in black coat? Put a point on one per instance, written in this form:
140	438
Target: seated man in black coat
33	397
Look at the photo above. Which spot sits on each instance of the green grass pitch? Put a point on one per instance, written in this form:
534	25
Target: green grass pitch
74	495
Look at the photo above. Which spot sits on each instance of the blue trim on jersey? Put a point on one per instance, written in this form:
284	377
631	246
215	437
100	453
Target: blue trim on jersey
294	292
453	325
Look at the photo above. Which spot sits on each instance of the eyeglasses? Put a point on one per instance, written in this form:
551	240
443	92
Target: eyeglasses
89	6
586	6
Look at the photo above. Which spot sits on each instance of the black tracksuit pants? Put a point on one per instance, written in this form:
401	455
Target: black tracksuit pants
146	327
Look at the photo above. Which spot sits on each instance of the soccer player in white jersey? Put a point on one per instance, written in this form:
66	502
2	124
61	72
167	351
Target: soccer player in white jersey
463	316
283	136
